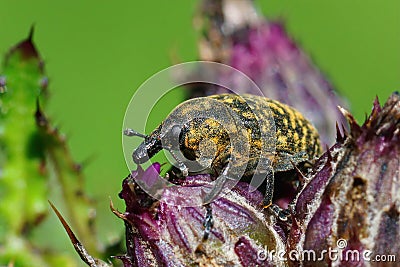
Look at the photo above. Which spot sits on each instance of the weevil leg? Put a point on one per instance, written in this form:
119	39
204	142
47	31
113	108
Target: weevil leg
269	192
219	184
181	165
208	221
287	160
282	214
131	132
221	181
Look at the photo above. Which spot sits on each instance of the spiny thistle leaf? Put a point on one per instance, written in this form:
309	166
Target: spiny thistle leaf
23	185
69	175
33	156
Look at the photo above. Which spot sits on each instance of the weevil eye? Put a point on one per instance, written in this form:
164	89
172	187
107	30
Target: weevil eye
171	139
176	131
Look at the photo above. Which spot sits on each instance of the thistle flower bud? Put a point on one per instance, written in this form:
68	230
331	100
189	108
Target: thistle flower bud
161	234
237	35
351	203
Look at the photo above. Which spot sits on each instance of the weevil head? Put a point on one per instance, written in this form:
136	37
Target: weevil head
156	141
201	140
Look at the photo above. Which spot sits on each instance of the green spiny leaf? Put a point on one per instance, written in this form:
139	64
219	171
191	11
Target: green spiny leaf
34	159
23	187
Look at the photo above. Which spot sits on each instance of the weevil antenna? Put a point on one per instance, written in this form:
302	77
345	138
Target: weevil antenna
131	132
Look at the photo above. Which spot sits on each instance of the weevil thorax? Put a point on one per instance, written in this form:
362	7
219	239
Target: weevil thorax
204	140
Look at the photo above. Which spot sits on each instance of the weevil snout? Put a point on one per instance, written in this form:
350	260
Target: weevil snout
147	149
155	142
140	155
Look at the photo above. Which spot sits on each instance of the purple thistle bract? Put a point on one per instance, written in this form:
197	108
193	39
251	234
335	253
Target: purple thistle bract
237	35
159	234
352	200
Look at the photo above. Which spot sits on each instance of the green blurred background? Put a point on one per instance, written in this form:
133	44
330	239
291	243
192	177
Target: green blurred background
97	54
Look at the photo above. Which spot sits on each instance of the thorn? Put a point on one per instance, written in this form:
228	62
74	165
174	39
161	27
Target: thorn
116	212
376	109
79	248
31	32
302	177
41	119
84	163
366	118
355	129
377	105
77	167
71	234
345	133
44	83
344	111
339	136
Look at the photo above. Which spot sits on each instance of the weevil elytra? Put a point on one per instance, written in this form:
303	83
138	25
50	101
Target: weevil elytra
287	141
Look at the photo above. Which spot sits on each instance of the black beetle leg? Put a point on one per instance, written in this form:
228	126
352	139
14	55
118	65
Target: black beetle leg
282	214
208	221
269	192
181	165
219	184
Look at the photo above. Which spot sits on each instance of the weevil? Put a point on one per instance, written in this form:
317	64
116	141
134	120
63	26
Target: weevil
287	141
